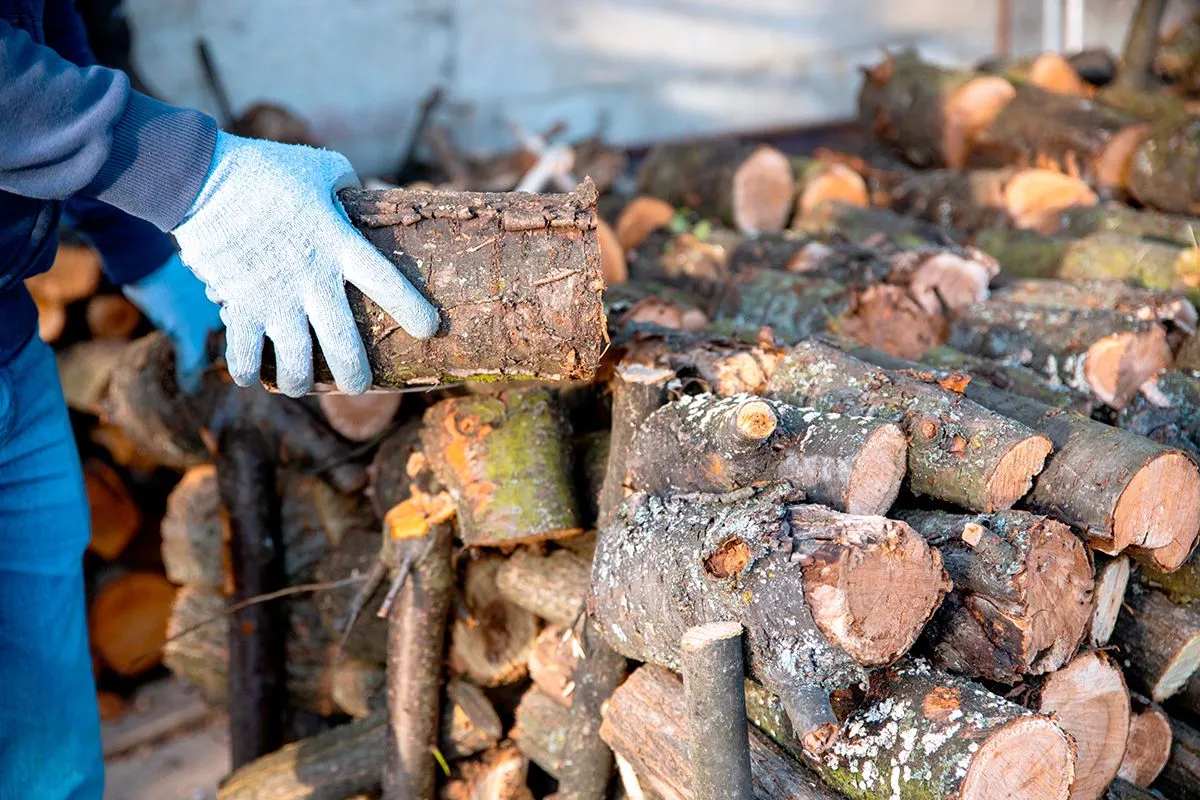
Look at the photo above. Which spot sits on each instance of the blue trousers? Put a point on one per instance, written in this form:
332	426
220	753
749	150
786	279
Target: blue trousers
49	723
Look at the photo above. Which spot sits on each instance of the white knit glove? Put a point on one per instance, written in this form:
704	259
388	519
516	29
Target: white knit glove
273	245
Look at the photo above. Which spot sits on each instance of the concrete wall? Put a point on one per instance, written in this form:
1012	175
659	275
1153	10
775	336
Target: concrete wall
640	69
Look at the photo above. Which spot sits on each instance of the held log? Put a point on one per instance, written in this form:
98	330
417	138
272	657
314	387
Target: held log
515	277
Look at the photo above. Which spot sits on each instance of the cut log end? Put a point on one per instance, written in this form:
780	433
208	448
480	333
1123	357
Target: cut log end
1029	757
1117	365
1157	509
613	268
1180	668
699	636
1015	471
897	571
763	190
952	282
1089	700
643	216
1058	585
1054	73
836	183
1112	166
493	642
128	621
1034	197
1111	581
756	420
1148	748
359	418
878	472
971	108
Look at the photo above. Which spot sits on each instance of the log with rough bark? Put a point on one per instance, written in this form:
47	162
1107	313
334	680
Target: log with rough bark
1180	779
492	637
1172	309
637	391
539	729
1022	592
1080	221
1106	353
970	201
867	225
515	277
645	305
469	722
1159	641
1012	378
1149	743
1120	490
1166	411
506	460
804	581
958	451
709	363
747	186
941	117
645	724
923	732
415	642
1112	578
554	586
257	633
587	762
1088	699
718	737
718	444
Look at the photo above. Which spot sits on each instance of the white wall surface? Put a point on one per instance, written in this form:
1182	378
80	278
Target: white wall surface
644	69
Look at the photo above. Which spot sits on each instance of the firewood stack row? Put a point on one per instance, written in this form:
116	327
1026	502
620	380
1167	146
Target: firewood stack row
917	422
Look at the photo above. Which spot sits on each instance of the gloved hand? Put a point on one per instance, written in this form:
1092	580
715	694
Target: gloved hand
175	301
271	241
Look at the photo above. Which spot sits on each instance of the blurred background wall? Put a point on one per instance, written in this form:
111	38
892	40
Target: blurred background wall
637	70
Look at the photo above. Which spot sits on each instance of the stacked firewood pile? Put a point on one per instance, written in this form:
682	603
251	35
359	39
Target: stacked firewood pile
914	427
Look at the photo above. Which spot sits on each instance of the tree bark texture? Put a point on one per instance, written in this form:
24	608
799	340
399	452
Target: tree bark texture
1159	641
1180	779
1167	411
506	460
645	724
1022	593
637	391
719	444
554	586
515	277
958	451
1012	378
713	678
793	575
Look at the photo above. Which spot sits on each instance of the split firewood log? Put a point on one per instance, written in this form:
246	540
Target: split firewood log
750	187
1112	578
128	620
315	519
1013	378
978	199
851	464
111	316
492	638
1088	699
645	724
1159	641
1106	353
1181	776
505	458
1120	490
710	363
910	737
1149	744
539	318
1022	593
115	517
554	586
359	418
958	451
795	576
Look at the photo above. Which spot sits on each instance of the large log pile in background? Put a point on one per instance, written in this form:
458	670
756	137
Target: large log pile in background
927	435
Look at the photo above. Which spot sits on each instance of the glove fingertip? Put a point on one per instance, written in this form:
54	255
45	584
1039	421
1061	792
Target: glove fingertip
422	321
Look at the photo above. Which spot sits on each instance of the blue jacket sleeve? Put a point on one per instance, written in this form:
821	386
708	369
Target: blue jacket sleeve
65	32
69	130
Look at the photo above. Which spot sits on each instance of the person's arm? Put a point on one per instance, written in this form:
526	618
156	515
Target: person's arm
70	130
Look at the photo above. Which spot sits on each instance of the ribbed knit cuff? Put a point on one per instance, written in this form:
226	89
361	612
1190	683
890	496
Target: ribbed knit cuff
159	159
